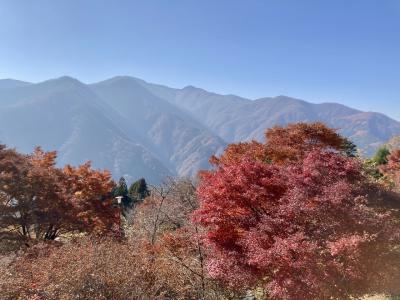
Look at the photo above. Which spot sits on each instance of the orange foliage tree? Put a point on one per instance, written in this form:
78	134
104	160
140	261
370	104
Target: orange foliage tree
295	141
90	193
41	201
287	144
80	269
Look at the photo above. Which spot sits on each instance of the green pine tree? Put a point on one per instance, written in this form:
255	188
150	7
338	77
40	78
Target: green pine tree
350	149
138	190
122	190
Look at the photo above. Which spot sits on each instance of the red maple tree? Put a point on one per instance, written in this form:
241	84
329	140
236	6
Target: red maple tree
303	230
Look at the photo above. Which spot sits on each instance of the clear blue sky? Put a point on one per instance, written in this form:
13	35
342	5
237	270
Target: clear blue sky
345	51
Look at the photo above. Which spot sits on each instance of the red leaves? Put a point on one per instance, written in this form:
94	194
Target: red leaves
303	229
295	141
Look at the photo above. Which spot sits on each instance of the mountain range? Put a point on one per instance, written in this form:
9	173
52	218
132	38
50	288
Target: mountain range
140	129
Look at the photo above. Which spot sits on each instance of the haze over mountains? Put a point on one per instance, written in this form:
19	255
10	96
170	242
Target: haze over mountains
138	129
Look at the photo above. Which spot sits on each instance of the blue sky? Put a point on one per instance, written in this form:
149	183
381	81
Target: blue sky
338	51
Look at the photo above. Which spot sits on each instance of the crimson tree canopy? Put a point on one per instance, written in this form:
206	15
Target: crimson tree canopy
303	231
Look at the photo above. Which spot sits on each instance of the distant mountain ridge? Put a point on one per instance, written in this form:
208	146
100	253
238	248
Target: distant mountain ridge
140	129
238	119
12	83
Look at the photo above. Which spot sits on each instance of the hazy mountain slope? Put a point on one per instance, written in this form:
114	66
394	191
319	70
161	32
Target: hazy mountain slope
370	130
237	119
207	108
65	115
11	83
366	129
394	143
138	129
181	142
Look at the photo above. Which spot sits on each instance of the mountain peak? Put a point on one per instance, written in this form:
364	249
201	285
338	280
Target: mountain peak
63	82
290	99
191	87
120	79
66	78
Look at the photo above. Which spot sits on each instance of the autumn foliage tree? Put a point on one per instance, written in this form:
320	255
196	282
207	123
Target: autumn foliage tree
90	193
295	141
288	144
84	268
234	153
161	258
34	204
297	217
172	242
40	201
296	222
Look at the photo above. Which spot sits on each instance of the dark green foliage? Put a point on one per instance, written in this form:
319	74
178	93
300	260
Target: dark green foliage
122	190
381	156
138	190
349	148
